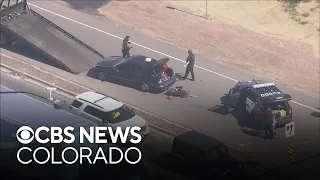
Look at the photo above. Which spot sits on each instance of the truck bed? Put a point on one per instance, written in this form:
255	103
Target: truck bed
53	41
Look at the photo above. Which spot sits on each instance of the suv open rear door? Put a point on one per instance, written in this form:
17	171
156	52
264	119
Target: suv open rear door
162	61
233	97
278	98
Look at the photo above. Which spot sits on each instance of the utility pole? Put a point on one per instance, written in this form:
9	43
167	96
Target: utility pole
206	9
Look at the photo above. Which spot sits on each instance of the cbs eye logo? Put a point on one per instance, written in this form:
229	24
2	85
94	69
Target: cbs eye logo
25	135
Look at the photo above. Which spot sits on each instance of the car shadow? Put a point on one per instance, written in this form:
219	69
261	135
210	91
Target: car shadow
90	7
223	108
253	132
316	114
186	12
220	109
177	165
92	74
28	51
182	168
242	118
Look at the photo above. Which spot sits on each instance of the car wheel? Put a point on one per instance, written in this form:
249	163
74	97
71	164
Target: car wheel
101	76
144	87
3	40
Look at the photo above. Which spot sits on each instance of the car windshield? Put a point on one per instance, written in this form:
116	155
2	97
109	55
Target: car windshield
118	115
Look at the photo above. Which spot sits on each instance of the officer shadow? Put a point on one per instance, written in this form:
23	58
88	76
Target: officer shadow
222	108
180	77
316	114
254	132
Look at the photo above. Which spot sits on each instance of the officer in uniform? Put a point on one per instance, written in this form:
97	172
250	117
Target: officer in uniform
191	59
270	124
125	47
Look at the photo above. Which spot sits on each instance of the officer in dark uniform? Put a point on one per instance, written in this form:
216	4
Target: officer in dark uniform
191	59
270	123
125	47
25	4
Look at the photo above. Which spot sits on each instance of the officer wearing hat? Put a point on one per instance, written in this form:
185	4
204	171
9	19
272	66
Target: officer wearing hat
191	59
125	47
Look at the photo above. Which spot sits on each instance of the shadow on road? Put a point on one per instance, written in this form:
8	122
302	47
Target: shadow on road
220	109
253	132
316	114
30	52
196	156
244	121
91	6
173	8
27	52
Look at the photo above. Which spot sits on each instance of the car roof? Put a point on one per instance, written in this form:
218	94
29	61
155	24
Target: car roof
35	113
242	84
141	60
261	87
105	102
110	61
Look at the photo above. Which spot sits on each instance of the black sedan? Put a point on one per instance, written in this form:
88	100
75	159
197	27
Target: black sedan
148	73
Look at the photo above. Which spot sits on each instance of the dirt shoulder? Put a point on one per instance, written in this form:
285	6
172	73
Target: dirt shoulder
284	60
289	21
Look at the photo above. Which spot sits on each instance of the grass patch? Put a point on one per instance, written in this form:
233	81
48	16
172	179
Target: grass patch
304	22
305	15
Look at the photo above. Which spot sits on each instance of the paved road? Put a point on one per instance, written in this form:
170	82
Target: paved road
155	145
209	87
150	147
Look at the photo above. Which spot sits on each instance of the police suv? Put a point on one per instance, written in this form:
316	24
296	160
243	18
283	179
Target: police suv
254	97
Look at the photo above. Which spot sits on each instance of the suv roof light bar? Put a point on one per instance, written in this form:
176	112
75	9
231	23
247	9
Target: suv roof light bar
264	85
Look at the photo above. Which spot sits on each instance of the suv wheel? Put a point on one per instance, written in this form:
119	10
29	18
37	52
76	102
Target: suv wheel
144	87
102	76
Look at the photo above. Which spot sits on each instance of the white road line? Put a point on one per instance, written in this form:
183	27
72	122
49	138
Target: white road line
306	106
64	17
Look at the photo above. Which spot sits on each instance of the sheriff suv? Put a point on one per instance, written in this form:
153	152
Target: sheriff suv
107	111
253	97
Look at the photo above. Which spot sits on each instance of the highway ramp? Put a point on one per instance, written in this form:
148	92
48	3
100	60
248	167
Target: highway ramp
50	39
